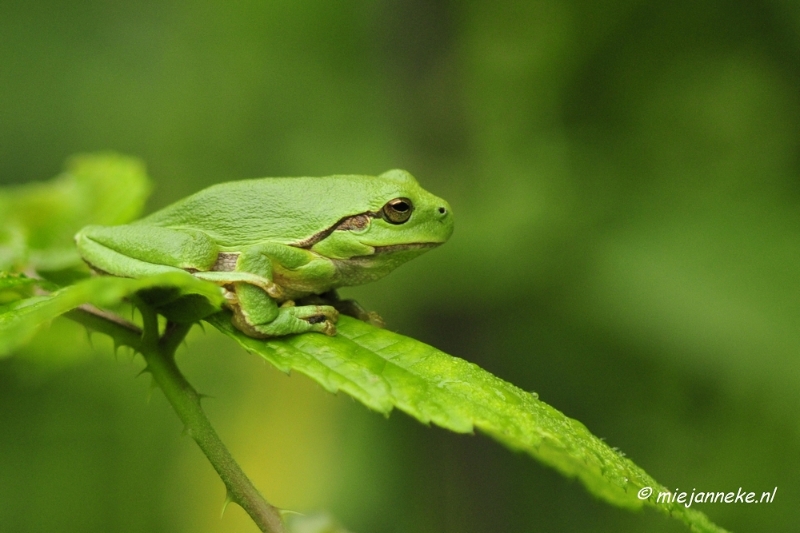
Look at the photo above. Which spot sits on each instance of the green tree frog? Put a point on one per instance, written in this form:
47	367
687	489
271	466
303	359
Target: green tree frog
276	243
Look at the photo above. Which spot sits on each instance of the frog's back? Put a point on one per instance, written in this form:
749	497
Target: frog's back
283	210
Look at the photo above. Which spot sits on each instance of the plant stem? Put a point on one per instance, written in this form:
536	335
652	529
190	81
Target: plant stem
159	354
122	332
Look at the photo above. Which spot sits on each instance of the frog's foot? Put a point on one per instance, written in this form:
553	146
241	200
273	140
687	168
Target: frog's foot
346	307
290	320
354	309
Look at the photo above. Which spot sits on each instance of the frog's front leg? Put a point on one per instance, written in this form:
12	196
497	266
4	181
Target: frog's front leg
257	314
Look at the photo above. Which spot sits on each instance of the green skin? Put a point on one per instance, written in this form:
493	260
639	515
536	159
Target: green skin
272	241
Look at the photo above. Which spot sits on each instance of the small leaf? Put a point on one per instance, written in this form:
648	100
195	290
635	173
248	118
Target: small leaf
39	220
385	370
19	319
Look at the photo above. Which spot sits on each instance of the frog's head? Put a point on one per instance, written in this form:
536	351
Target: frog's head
403	221
409	217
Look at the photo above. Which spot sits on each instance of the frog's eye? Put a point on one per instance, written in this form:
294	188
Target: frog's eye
398	210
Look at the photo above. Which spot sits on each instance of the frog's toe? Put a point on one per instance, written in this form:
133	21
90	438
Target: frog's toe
354	309
321	324
325	326
374	319
322	318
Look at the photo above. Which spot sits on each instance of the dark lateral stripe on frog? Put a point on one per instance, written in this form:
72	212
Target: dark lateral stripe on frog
345	223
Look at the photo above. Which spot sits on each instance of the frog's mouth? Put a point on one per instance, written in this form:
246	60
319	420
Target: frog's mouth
405	247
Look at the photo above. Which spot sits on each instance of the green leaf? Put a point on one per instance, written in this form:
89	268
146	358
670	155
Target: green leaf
20	319
15	287
385	370
39	220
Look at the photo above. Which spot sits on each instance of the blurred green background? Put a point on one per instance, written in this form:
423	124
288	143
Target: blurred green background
625	181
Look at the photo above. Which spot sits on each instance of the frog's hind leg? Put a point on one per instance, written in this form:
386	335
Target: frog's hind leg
257	314
135	251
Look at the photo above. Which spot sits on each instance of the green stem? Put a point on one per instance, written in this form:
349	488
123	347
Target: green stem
159	354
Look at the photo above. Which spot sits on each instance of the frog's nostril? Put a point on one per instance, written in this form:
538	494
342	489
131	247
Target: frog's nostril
442	210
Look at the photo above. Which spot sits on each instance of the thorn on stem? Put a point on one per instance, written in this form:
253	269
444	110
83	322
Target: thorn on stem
228	499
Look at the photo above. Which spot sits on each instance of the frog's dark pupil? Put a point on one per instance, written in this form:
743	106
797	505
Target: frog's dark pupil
401	206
